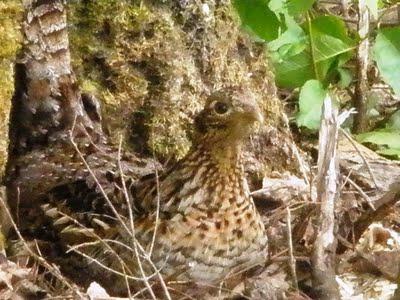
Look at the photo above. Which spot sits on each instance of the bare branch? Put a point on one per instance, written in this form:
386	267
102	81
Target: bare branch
323	256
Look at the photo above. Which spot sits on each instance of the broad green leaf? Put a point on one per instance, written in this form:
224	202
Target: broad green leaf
387	56
394	121
332	26
393	152
293	71
258	17
294	34
311	98
388	138
296	7
331	43
328	47
291	7
327	50
345	77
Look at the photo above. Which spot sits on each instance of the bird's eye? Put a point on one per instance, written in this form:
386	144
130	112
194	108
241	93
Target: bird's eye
221	108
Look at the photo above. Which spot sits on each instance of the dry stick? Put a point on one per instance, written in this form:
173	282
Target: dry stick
157	213
345	8
113	210
104	242
164	286
147	255
366	163
362	193
361	89
125	191
38	258
303	169
345	180
292	259
323	256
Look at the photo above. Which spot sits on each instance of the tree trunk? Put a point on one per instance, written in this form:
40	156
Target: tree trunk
152	65
157	62
47	101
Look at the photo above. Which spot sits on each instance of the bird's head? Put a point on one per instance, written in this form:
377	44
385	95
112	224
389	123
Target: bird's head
228	117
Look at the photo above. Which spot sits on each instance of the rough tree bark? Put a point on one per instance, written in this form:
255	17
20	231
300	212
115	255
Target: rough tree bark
47	101
324	252
361	90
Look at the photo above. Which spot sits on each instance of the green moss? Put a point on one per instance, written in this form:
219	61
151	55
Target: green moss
154	59
163	59
10	38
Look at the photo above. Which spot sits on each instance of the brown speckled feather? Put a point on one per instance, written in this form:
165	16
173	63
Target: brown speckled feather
198	218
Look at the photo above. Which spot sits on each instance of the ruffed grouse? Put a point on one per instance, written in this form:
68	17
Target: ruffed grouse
68	186
198	218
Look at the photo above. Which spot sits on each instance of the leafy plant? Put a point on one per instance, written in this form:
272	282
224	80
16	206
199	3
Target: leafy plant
387	56
311	98
311	51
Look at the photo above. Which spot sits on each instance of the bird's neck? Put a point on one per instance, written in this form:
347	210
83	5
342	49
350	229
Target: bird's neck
222	172
224	153
225	157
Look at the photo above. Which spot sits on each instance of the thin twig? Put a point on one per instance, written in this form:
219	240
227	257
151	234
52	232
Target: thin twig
362	193
362	86
157	213
146	255
362	157
113	210
53	270
292	259
128	202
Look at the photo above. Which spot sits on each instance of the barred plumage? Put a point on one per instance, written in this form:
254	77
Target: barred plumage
196	222
207	225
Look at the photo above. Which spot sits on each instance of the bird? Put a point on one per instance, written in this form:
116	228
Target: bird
195	222
209	223
103	214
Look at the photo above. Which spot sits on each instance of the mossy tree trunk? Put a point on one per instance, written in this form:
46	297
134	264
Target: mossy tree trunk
152	63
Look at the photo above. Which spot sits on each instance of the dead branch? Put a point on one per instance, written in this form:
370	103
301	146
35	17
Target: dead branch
291	259
323	256
361	88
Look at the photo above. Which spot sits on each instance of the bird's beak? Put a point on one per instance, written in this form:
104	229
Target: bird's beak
259	116
253	113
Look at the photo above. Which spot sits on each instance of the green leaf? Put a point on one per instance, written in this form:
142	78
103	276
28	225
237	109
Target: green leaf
293	71
395	153
291	7
330	41
296	7
328	46
327	50
394	121
258	18
387	56
346	77
311	98
294	34
387	138
332	26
